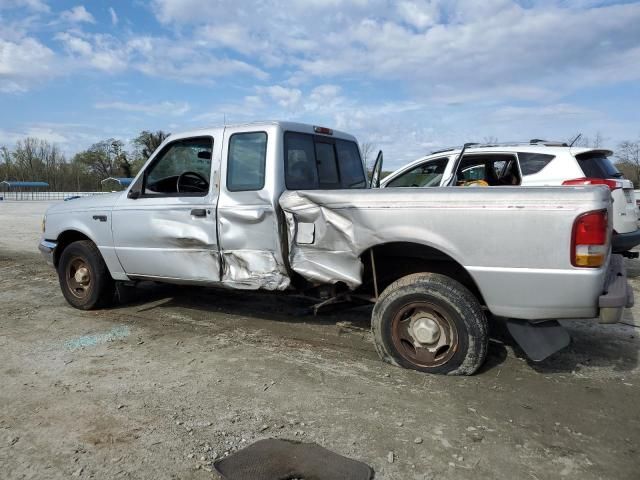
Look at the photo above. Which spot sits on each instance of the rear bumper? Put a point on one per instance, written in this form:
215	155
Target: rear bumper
47	249
621	242
618	293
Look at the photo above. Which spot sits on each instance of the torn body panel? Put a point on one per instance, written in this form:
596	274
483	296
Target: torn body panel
250	243
509	234
253	270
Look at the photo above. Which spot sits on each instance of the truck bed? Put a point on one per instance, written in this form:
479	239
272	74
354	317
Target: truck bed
514	242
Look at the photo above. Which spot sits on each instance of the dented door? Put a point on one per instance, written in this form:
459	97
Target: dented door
172	236
248	211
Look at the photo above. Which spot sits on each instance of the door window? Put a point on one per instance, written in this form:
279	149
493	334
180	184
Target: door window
428	174
246	162
183	168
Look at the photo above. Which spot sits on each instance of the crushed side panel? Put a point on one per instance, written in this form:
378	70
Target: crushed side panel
332	257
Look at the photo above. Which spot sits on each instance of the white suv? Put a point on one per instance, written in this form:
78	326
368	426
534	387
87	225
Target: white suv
536	163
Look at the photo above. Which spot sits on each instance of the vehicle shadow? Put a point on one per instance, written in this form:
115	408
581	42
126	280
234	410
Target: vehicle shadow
248	303
592	345
202	302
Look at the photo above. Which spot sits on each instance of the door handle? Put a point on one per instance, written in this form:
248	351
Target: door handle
199	212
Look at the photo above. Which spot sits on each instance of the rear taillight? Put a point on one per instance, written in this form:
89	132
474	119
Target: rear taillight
612	184
590	239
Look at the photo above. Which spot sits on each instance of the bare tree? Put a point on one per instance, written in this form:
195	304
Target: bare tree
490	140
596	141
628	154
6	165
368	150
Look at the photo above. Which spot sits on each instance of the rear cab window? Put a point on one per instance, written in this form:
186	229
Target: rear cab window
314	162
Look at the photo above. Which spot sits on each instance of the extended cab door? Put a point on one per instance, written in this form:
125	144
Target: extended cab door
249	232
165	227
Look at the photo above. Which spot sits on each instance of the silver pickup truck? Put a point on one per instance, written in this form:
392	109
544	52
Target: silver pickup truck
287	207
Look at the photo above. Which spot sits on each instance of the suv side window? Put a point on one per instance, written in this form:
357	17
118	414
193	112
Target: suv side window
492	169
428	174
246	161
531	163
313	162
183	168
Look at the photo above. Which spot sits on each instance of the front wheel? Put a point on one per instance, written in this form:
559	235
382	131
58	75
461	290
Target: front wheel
431	323
84	278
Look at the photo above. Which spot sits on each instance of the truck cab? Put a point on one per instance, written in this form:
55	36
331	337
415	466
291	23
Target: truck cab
204	208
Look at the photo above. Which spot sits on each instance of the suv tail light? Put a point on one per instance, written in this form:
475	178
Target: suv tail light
590	239
612	184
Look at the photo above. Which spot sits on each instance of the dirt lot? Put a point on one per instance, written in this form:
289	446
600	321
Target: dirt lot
160	386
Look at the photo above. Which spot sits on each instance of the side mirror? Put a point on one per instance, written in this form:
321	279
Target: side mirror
204	155
375	173
133	194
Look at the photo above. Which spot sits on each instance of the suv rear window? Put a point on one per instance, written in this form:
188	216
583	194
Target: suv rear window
597	165
531	163
314	162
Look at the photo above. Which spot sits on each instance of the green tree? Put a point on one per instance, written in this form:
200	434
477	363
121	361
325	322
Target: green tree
147	142
104	159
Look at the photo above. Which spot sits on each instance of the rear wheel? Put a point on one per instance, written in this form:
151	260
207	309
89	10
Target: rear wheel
84	278
431	323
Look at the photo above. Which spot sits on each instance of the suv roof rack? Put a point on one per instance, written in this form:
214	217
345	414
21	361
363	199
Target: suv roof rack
534	141
546	143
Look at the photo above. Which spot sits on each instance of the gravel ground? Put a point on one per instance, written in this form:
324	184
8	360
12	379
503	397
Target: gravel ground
172	378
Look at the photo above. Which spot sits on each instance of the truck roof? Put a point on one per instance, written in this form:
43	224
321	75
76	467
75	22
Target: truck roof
285	125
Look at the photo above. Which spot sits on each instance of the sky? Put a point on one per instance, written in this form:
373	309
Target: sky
406	76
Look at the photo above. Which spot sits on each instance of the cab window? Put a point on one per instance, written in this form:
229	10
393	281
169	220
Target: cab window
315	162
246	162
183	168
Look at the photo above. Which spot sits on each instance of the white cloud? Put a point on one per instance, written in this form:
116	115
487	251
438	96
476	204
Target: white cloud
161	108
23	63
420	14
456	50
287	98
77	14
114	16
99	51
35	5
185	61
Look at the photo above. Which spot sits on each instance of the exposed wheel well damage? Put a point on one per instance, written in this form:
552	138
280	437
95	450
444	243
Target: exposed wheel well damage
398	259
64	240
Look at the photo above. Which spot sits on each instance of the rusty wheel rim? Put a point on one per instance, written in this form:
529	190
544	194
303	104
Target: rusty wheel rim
423	334
78	277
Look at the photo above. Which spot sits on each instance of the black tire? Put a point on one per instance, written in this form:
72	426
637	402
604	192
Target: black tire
93	287
460	328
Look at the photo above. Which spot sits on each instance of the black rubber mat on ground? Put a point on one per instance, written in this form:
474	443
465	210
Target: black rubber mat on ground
275	459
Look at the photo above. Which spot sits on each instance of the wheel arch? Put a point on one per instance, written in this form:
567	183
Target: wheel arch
394	260
65	239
